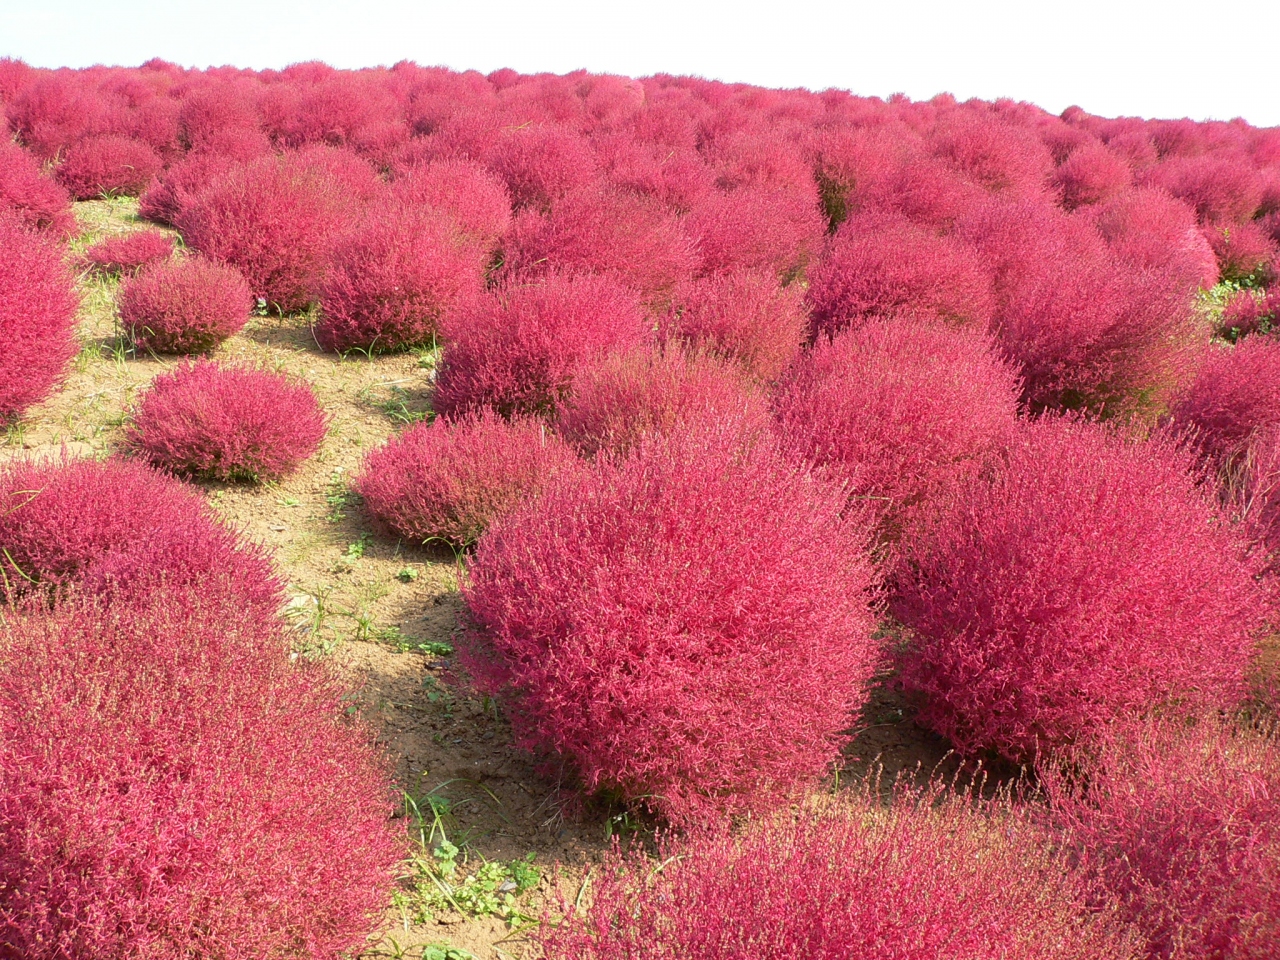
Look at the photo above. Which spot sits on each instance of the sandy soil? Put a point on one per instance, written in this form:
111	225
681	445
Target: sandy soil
358	604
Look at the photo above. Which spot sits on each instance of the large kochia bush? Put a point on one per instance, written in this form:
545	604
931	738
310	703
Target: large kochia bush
686	630
1177	827
171	785
1089	580
37	318
851	880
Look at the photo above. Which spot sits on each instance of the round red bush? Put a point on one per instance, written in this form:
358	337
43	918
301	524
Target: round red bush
881	266
122	525
686	630
38	306
759	227
184	306
226	423
129	252
1249	311
1235	394
276	220
744	316
633	238
1091	174
1244	251
1220	186
39	202
849	881
108	166
645	392
448	480
224	803
542	163
899	413
473	196
1148	229
1090	579
1179	828
393	279
519	349
1087	333
997	156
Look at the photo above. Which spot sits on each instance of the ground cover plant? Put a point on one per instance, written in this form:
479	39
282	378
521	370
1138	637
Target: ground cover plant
667	365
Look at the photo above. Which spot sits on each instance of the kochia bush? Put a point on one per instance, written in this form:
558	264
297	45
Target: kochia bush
448	480
1236	393
121	525
1178	828
128	252
1244	252
393	278
630	395
184	306
898	412
686	630
848	881
881	265
110	165
744	316
1089	580
519	349
224	803
39	202
37	318
226	423
275	219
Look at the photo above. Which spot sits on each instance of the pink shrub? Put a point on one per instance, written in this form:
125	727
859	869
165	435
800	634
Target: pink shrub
469	193
1178	828
39	202
226	423
225	805
1091	174
110	166
633	238
209	111
678	178
1244	252
646	392
173	191
184	306
1221	187
1089	580
121	526
1249	312
744	316
899	413
686	630
997	156
1148	229
756	228
393	278
129	252
886	169
1236	393
37	318
1086	334
448	480
1258	502
55	111
276	220
849	881
541	164
519	349
881	266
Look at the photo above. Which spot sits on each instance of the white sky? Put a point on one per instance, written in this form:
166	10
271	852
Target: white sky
1157	59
